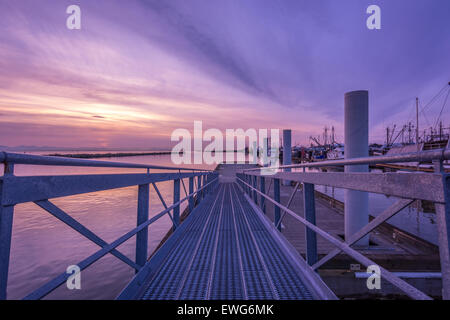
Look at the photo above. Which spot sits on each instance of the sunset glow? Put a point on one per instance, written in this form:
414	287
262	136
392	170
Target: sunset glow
137	70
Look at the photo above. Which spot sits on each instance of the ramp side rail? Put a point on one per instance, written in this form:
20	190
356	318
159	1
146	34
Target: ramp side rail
40	189
407	186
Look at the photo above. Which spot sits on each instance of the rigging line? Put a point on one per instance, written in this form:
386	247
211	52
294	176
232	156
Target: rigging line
443	107
426	118
434	98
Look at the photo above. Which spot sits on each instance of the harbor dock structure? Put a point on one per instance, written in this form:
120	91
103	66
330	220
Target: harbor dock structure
233	245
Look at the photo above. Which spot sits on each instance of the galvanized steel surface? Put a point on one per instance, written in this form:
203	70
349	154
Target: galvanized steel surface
225	252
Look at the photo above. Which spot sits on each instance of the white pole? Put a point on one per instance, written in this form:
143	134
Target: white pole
356	145
287	152
255	153
265	155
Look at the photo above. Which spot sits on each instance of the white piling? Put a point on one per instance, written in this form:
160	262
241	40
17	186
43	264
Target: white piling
356	145
287	152
265	152
255	153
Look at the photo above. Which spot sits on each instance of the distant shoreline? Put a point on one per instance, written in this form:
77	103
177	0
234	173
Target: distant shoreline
109	154
116	154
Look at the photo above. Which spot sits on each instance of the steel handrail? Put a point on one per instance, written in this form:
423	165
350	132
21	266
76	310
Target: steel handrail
51	285
441	155
408	289
27	159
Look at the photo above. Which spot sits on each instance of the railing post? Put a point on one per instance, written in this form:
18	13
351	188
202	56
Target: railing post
255	194
262	188
142	216
199	186
210	179
277	198
6	223
287	153
203	184
191	190
309	206
176	198
443	226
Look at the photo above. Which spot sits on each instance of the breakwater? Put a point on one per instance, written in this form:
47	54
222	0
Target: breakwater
109	155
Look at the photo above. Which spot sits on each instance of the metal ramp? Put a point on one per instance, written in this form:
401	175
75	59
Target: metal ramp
226	250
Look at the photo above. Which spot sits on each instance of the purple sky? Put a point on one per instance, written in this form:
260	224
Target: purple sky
139	69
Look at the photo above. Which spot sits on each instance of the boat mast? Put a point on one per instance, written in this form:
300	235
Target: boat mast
417	124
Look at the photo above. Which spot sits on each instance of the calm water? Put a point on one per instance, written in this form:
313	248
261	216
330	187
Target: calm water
43	247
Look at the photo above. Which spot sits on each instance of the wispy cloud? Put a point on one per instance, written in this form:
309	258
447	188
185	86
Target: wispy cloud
139	69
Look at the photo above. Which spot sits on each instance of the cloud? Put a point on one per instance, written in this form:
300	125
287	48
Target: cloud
159	65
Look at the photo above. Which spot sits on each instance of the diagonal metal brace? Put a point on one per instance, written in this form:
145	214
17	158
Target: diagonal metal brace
385	215
184	186
71	222
288	203
162	201
267	192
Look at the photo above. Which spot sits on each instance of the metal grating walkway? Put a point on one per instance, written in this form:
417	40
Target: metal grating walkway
224	251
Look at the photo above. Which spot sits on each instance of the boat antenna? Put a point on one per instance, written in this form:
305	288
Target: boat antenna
417	124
